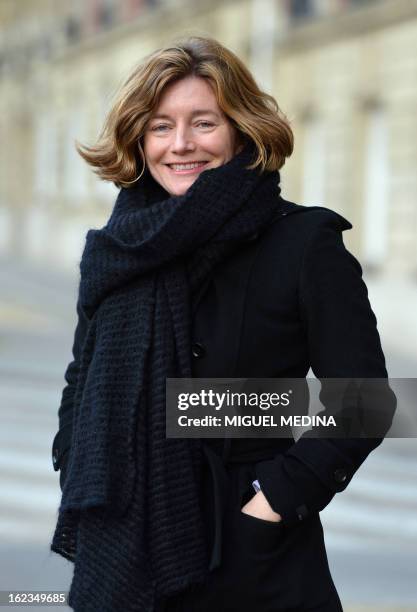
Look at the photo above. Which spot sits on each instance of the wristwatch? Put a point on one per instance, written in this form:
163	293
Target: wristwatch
256	485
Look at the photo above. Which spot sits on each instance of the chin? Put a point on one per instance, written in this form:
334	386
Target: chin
180	189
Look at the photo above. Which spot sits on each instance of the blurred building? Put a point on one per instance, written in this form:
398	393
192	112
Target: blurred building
344	72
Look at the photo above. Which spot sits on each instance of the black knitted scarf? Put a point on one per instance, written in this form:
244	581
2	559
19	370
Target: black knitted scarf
130	516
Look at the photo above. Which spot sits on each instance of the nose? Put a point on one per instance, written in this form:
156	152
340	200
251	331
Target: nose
183	141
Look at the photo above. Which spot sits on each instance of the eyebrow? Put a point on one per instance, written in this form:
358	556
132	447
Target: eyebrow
200	111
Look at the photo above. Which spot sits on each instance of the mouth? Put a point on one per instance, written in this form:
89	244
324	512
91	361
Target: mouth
187	168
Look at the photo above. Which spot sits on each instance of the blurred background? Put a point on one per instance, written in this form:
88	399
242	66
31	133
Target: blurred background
345	73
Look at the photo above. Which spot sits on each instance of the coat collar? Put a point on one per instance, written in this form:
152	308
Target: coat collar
288	208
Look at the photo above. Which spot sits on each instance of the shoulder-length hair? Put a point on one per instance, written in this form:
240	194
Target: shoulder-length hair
118	153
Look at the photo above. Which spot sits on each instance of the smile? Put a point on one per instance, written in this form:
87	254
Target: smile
188	168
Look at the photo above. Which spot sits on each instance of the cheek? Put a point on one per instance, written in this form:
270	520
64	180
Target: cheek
217	144
151	150
226	143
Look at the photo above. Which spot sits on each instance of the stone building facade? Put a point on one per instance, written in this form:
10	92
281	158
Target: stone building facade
344	72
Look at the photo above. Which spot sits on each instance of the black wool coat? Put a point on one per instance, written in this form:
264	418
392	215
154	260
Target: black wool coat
291	298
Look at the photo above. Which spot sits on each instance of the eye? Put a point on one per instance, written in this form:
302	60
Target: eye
157	128
205	124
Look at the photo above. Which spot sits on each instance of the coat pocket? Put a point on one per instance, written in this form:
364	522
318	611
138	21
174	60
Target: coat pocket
257	534
288	562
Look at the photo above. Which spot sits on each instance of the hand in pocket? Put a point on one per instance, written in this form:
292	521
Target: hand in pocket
258	506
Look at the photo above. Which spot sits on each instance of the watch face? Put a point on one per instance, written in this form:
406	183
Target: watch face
256	485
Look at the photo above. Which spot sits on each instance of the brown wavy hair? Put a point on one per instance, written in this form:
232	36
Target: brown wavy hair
118	153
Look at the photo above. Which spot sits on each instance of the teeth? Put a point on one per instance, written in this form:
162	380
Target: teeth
186	166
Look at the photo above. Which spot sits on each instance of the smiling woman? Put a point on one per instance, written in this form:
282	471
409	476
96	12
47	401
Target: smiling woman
189	96
203	270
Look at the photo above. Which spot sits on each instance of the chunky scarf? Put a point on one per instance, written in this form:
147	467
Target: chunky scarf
130	516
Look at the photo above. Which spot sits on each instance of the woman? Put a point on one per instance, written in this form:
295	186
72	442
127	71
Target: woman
203	270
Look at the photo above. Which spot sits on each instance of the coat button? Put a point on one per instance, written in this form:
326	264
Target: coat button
252	237
302	512
55	458
340	475
198	350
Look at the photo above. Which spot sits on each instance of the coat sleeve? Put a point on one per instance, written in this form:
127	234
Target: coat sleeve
343	342
62	441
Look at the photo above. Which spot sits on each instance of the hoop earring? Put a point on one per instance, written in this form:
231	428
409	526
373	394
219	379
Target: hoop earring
138	177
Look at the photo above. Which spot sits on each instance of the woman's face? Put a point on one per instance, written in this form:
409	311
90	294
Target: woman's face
187	133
